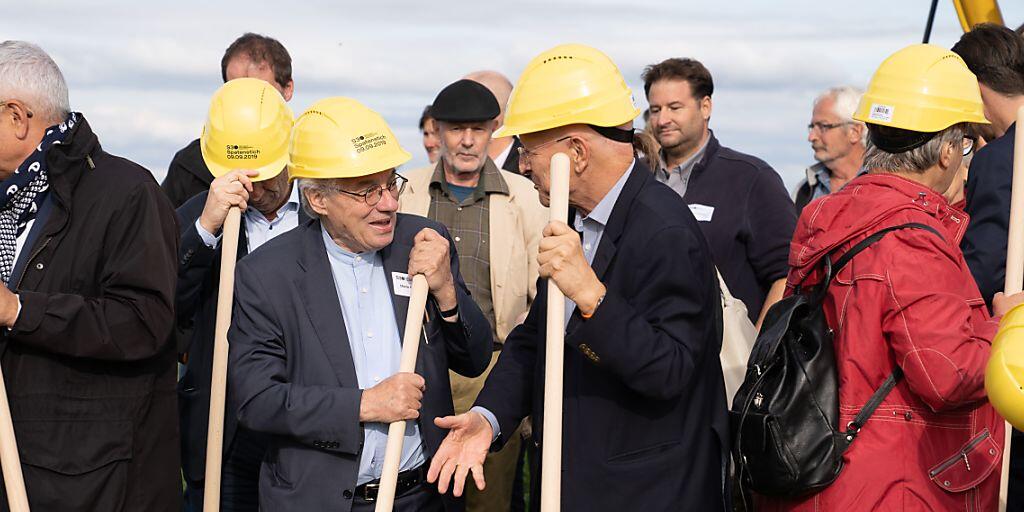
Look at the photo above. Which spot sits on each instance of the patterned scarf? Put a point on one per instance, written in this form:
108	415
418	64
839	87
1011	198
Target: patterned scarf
25	191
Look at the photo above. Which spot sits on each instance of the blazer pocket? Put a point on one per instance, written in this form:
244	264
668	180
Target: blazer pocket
969	466
643	454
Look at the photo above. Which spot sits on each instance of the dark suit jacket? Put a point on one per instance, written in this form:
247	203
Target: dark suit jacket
644	416
187	175
196	314
512	162
292	371
988	203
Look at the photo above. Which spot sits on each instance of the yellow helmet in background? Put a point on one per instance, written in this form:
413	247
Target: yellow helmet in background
1004	375
247	127
342	138
568	84
922	88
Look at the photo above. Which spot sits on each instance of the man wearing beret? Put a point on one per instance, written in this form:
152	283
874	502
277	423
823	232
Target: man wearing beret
495	218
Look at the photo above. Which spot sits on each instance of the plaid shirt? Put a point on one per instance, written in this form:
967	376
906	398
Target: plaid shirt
469	224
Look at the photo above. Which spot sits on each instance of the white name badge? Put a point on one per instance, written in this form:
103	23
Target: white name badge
402	284
702	212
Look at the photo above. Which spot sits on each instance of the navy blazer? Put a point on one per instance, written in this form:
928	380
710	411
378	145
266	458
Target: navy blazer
196	316
988	204
644	415
291	367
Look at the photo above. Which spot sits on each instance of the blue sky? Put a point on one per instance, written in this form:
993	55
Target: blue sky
143	72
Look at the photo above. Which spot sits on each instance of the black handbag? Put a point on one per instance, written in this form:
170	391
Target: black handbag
786	437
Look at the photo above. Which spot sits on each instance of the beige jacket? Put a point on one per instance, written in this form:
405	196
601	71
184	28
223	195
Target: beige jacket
516	222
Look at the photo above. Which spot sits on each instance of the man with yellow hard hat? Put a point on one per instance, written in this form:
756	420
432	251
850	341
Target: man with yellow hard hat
316	333
644	400
245	145
906	313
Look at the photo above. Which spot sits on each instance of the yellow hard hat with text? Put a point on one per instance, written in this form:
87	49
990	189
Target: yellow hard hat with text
1004	375
342	138
247	127
568	84
922	88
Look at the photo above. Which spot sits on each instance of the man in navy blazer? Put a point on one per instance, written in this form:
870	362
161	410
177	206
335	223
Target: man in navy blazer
318	319
644	415
996	55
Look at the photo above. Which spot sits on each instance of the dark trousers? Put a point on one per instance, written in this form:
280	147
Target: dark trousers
240	476
423	498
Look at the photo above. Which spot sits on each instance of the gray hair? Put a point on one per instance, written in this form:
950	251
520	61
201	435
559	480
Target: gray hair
916	160
846	98
28	74
318	185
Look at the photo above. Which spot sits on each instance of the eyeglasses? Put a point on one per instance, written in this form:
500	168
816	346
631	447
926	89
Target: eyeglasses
824	127
968	145
373	194
526	154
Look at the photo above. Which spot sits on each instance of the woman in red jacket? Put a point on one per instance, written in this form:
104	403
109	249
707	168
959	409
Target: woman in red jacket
909	301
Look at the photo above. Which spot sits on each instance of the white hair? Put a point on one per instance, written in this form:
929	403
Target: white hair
845	98
28	74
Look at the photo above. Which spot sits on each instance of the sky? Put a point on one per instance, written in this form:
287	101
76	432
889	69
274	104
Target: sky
143	72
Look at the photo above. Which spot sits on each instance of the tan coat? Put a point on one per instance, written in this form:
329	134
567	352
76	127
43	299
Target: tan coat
516	222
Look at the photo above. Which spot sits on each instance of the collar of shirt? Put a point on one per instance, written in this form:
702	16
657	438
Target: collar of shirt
686	166
819	178
336	253
603	211
291	205
502	157
491	181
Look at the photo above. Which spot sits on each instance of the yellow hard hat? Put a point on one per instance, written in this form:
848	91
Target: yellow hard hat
342	138
1004	375
565	85
247	128
922	88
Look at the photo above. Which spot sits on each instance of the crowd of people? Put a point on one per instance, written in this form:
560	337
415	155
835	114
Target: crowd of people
110	304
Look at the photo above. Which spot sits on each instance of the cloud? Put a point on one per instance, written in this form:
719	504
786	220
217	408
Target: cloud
143	73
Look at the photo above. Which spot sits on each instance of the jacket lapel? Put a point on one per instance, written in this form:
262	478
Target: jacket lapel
502	223
320	298
396	260
616	224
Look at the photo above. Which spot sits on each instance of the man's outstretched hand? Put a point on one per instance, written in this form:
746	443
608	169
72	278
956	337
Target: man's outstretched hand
462	451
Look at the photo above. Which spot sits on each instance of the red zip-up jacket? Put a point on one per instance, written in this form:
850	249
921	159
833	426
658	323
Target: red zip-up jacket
909	300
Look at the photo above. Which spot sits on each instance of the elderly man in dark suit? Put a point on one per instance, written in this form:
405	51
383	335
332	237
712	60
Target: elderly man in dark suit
644	413
318	321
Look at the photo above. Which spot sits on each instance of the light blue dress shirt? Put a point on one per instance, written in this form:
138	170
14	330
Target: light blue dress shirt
592	226
259	230
376	348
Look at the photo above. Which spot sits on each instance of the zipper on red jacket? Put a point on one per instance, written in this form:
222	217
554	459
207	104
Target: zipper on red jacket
961	455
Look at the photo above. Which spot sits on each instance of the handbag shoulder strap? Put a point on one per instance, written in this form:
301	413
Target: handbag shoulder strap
890	383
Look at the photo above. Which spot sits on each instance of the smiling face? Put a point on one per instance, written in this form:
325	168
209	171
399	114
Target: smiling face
464	145
355	225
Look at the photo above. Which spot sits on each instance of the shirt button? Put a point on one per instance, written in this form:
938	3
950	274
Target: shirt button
458	239
369	334
587	247
376	379
459	209
363	290
359	258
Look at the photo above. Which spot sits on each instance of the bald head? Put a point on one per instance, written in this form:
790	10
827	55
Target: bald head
498	84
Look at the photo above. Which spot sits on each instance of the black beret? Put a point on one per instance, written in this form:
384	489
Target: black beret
465	101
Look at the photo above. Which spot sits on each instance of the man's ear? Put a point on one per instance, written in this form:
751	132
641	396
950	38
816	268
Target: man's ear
317	200
579	155
288	90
